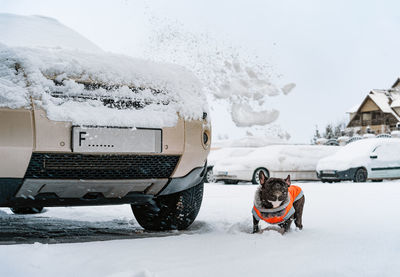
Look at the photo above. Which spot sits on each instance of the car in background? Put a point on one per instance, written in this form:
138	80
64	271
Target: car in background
275	161
362	160
223	154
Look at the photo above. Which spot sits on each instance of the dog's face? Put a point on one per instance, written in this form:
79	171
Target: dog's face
274	191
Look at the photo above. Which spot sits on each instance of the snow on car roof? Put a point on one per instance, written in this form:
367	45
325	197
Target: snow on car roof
363	146
354	154
281	157
162	90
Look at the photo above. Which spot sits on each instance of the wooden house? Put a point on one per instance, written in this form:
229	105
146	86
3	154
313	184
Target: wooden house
378	113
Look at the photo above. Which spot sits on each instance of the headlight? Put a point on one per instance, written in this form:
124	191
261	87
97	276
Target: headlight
206	141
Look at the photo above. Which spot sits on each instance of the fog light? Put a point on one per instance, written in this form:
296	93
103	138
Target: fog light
205	138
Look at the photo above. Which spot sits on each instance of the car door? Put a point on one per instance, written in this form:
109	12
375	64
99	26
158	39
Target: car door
385	162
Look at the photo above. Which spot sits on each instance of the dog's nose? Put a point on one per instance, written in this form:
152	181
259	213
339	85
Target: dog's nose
276	203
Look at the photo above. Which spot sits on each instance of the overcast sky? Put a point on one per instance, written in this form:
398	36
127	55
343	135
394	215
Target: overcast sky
335	51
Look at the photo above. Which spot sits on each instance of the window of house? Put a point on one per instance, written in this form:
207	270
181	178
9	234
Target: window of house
366	116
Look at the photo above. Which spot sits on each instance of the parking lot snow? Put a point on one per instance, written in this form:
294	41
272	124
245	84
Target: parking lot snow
350	229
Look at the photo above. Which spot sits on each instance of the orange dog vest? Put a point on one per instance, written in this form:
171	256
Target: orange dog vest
281	213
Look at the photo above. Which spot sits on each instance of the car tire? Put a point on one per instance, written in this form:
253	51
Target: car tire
256	179
170	212
209	177
27	210
360	176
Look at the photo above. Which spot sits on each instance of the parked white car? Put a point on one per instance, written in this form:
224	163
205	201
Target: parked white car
222	154
276	161
367	159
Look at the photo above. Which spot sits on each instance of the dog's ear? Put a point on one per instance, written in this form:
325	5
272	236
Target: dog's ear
263	178
287	180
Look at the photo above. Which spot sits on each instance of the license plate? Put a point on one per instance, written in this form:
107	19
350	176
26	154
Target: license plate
121	140
328	172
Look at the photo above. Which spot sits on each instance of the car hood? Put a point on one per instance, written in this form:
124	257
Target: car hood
336	162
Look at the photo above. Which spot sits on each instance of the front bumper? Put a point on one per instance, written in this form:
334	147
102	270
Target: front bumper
336	175
28	192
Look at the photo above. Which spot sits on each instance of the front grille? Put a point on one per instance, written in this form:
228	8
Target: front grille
329	175
137	100
79	166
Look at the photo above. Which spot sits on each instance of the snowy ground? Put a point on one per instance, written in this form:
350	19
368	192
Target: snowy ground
349	230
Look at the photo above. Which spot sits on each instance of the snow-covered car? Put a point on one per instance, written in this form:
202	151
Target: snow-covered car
225	149
276	161
361	160
223	154
80	126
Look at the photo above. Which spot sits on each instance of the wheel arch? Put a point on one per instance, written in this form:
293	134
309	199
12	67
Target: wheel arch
253	180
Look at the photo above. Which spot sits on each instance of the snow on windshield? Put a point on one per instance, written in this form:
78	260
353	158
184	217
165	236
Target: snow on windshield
95	88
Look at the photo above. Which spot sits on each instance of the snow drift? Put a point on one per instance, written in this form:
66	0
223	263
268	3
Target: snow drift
90	87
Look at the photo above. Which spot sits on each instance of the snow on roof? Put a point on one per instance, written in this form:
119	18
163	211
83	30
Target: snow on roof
395	103
162	90
382	99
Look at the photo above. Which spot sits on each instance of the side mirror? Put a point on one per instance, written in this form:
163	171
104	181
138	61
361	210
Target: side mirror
373	156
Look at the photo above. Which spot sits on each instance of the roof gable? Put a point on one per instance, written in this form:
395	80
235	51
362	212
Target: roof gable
382	100
396	84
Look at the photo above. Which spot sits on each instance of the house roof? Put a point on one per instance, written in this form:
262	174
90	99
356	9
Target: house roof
382	99
396	84
385	100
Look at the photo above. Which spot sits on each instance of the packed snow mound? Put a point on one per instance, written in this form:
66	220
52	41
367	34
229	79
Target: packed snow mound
354	154
279	158
98	88
17	30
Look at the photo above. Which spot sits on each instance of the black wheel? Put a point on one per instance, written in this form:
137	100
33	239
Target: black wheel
209	177
360	176
256	175
170	212
27	210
